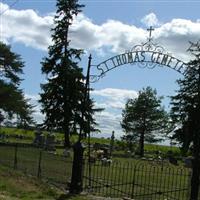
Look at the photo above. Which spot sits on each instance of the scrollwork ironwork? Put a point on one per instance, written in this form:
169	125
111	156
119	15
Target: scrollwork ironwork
148	65
148	46
146	55
94	78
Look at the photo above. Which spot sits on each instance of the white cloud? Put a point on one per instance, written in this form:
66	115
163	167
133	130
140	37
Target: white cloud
109	122
31	29
25	26
113	34
33	100
177	34
114	98
116	94
32	97
119	37
150	20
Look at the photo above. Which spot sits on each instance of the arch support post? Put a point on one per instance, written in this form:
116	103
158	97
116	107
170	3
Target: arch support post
76	185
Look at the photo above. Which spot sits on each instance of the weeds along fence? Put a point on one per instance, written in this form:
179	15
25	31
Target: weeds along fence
37	162
136	179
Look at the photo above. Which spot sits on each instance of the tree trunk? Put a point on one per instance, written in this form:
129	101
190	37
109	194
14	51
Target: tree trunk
195	169
195	179
141	144
76	185
130	146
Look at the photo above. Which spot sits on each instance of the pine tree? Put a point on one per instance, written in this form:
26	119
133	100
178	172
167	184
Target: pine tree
144	118
186	114
12	99
63	93
11	65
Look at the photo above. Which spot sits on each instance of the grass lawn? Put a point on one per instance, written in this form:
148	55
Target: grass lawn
14	185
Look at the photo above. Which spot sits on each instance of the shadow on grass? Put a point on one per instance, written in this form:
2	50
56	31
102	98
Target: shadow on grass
64	196
69	196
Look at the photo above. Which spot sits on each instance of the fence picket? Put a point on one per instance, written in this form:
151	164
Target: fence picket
39	173
15	158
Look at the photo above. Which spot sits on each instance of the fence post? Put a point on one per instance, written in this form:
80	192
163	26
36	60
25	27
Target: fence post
15	158
76	185
39	164
195	179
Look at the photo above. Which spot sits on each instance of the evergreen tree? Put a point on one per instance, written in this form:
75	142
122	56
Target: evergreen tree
11	65
12	100
144	118
185	113
63	98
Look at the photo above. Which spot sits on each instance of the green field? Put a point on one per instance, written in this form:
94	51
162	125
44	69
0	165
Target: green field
29	137
127	176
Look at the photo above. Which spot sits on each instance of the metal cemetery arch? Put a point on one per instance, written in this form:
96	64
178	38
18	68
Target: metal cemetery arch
147	55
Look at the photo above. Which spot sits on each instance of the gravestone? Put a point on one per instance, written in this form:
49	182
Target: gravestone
67	153
188	162
50	142
96	146
2	136
39	138
171	158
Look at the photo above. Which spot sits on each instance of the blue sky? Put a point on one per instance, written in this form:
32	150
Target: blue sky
104	29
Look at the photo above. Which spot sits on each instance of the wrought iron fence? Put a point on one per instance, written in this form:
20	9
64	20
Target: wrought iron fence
37	162
138	180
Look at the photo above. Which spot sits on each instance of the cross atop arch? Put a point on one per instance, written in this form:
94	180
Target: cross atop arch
150	29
